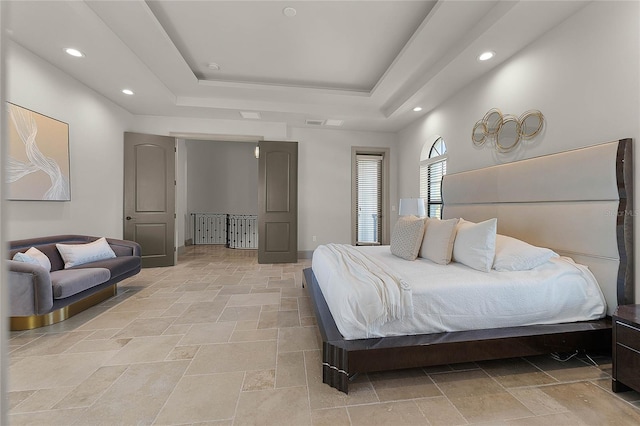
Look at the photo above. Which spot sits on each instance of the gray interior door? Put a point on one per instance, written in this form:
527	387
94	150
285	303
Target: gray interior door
278	202
149	196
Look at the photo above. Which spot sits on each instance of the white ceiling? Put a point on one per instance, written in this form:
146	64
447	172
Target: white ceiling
365	62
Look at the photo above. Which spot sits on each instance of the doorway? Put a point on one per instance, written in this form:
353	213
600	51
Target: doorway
149	196
213	176
221	187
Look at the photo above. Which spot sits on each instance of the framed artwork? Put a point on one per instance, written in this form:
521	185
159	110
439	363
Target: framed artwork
38	151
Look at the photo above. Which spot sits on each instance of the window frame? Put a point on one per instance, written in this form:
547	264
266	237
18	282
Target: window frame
427	163
384	219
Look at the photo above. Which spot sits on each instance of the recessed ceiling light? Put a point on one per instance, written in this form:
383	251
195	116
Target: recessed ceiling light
289	12
74	52
213	66
485	56
250	115
127	91
333	122
417	109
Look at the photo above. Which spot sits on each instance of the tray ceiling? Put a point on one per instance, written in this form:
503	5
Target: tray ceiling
367	63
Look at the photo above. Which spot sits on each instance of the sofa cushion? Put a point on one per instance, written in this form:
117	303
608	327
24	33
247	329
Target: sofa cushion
67	282
118	265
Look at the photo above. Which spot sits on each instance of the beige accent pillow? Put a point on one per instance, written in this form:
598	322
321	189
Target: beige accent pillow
475	244
407	237
437	244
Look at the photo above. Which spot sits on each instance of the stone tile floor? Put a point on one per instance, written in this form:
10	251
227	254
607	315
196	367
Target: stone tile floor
221	340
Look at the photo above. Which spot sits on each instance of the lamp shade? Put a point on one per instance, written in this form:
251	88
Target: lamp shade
412	206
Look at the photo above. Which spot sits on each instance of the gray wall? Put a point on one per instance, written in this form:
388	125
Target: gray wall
582	75
222	177
96	128
324	182
96	154
183	231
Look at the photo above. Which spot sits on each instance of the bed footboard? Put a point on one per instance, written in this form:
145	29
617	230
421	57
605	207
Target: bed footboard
343	359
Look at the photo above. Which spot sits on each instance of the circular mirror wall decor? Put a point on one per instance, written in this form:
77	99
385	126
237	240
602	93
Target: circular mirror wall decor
531	123
506	131
509	134
479	133
493	120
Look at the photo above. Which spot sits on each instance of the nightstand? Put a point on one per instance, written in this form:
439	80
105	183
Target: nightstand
626	349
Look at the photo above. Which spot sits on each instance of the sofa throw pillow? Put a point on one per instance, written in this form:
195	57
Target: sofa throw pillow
407	237
42	258
35	257
475	244
437	243
25	258
78	254
516	255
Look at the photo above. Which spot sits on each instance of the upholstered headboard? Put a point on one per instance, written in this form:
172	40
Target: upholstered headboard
578	203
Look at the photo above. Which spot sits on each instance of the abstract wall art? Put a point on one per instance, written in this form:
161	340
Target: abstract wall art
38	151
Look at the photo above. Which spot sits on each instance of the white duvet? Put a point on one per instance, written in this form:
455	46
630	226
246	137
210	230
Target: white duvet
455	297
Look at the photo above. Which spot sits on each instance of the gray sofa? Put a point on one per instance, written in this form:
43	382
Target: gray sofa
38	297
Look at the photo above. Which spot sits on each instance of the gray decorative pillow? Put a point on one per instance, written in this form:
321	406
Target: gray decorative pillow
407	237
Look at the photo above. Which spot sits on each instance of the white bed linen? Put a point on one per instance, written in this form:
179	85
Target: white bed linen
377	295
455	297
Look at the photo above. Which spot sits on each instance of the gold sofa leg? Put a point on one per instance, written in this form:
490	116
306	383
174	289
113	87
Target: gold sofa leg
35	321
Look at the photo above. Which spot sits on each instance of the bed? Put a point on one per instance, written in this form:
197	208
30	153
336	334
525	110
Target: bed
578	203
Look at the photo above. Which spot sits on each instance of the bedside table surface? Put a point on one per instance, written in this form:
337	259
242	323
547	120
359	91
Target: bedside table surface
630	313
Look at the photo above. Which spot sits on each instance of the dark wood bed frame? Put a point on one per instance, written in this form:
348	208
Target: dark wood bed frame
344	359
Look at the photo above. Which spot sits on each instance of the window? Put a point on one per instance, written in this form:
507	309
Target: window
432	169
370	185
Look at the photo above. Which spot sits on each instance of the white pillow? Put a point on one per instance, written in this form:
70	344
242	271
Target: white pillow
35	257
516	255
475	244
437	243
78	254
407	237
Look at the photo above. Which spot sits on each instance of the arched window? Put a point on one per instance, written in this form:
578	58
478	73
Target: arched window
432	168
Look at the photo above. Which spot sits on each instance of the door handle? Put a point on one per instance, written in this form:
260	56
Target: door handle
128	217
